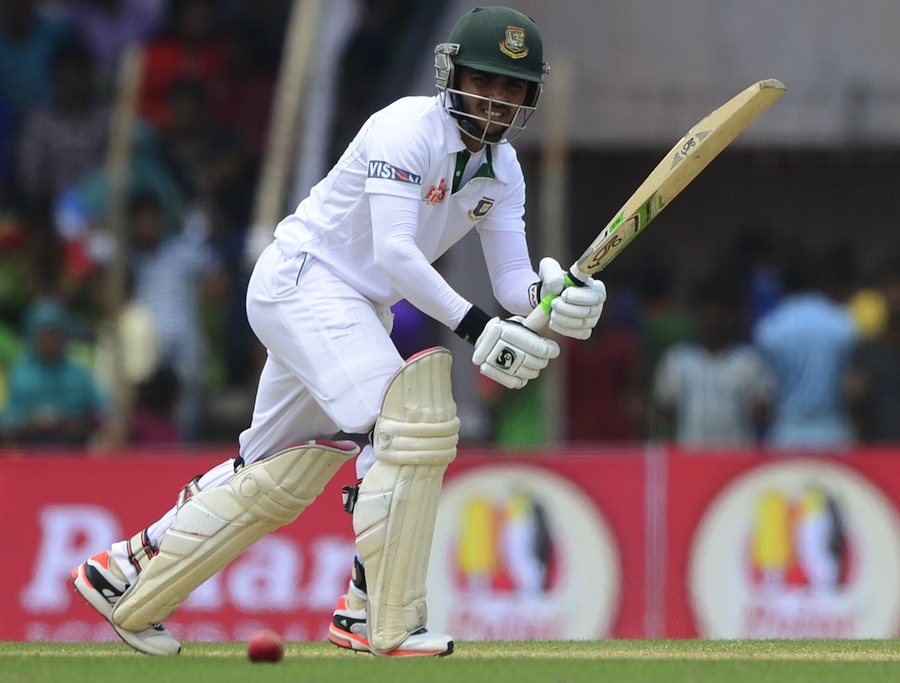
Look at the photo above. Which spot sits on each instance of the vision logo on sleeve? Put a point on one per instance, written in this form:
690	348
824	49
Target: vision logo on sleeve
386	171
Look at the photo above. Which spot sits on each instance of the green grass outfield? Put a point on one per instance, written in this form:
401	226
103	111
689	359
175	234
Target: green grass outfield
619	661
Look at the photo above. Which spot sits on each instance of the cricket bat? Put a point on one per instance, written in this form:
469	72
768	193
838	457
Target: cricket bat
690	155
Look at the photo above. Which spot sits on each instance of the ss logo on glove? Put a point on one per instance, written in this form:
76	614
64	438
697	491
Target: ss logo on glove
505	358
511	354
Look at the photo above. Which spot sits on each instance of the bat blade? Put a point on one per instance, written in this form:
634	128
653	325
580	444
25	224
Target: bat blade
684	162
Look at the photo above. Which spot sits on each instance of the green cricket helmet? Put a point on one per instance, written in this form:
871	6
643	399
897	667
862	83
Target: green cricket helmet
497	40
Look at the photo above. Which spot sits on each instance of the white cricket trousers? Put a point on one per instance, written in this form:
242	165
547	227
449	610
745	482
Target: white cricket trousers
330	358
330	355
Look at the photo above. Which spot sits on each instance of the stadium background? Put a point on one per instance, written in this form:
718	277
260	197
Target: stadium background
813	177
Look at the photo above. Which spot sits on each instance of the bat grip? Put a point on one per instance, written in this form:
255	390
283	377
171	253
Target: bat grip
540	316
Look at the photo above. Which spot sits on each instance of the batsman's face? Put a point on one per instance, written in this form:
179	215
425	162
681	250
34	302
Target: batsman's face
496	98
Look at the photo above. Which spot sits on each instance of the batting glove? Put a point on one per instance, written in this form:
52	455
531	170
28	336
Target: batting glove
576	309
511	354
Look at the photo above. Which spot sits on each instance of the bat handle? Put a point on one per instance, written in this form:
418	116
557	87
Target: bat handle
537	320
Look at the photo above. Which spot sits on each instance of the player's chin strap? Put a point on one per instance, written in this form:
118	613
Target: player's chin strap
211	528
396	507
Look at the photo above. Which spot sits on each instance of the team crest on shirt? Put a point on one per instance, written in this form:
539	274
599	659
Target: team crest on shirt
436	195
514	44
480	211
386	171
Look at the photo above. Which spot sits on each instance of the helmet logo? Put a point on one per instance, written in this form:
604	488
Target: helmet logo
514	44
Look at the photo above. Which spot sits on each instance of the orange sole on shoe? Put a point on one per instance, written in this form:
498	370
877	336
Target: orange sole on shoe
349	641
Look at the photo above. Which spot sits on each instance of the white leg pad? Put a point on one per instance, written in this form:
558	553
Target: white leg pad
215	526
414	440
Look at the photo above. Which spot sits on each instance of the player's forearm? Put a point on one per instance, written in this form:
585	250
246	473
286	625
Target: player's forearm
398	256
514	281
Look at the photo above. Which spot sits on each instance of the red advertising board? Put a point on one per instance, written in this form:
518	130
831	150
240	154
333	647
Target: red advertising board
58	510
768	545
62	510
569	544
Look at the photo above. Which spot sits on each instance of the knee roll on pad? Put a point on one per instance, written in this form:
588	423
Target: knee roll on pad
415	438
214	526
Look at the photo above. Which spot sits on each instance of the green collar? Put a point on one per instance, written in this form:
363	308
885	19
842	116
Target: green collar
462	158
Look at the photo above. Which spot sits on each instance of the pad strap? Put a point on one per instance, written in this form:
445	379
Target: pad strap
140	551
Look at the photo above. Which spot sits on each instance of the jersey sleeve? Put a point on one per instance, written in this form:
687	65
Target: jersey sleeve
395	223
397	157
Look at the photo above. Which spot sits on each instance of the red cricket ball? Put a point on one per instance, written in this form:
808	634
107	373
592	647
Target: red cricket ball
265	646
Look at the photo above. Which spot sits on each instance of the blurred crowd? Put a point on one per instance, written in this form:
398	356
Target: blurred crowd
160	353
204	93
775	347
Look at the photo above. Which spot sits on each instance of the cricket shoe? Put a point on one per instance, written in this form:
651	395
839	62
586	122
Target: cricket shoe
102	589
348	630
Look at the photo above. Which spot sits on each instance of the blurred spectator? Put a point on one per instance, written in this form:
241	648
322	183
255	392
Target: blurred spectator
755	260
662	323
111	26
127	353
83	210
155	417
601	384
603	399
189	47
36	262
241	98
869	310
29	38
189	138
9	351
263	23
14	268
170	273
221	209
716	391
864	295
66	140
371	68
873	377
52	399
517	415
807	339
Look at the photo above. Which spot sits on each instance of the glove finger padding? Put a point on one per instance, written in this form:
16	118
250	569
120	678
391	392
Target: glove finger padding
511	354
575	312
553	277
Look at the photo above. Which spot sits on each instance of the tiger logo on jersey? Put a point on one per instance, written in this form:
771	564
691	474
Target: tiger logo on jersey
480	211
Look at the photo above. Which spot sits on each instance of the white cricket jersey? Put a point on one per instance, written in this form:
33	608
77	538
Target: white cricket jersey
409	150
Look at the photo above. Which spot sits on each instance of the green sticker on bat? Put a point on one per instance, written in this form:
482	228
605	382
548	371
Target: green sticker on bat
617	221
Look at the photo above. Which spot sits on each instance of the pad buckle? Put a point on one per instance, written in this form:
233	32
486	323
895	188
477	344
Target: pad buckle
350	494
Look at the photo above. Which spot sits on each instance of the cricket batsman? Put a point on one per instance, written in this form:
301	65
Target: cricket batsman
420	174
